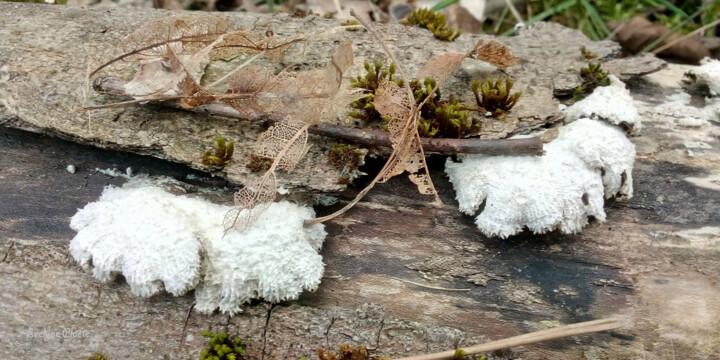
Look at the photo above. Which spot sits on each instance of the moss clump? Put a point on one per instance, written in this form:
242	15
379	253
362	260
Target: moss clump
348	352
220	347
223	153
435	22
586	54
495	97
376	74
441	118
438	118
592	76
345	156
259	163
97	356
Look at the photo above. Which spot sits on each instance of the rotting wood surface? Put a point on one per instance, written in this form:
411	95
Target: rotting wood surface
654	261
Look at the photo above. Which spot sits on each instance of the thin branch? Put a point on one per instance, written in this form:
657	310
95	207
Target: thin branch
365	137
531	338
695	32
515	12
429	287
371	30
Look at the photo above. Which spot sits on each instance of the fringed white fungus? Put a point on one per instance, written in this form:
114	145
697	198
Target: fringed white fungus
162	241
588	162
612	103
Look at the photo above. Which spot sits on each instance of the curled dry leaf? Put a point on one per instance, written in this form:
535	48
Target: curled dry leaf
440	68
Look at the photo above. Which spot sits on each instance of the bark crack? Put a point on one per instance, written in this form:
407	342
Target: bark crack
379	333
267	322
187	319
7	252
327	331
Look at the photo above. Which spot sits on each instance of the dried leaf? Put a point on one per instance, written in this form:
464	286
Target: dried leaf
170	76
440	68
245	42
185	33
250	203
494	53
283	135
341	60
392	101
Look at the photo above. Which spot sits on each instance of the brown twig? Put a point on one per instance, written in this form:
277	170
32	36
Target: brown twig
531	338
366	137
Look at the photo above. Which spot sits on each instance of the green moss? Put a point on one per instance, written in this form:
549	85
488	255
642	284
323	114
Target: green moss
494	96
344	156
438	118
592	76
222	156
435	22
586	54
97	356
375	74
221	347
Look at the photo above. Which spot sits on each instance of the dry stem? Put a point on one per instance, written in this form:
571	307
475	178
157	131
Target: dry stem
365	137
531	338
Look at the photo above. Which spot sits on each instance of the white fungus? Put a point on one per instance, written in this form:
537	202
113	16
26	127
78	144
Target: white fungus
612	103
708	73
71	168
162	241
587	163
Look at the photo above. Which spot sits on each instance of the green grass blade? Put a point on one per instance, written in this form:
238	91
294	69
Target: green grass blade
443	4
668	5
674	30
599	23
501	19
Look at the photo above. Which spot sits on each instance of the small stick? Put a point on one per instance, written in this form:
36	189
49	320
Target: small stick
429	287
531	338
366	137
695	32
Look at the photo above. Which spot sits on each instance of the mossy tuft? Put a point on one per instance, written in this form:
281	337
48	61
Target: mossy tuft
435	22
586	54
221	347
223	153
494	96
345	156
592	76
96	356
376	74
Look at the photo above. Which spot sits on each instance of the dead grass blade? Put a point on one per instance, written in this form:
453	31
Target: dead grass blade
587	327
